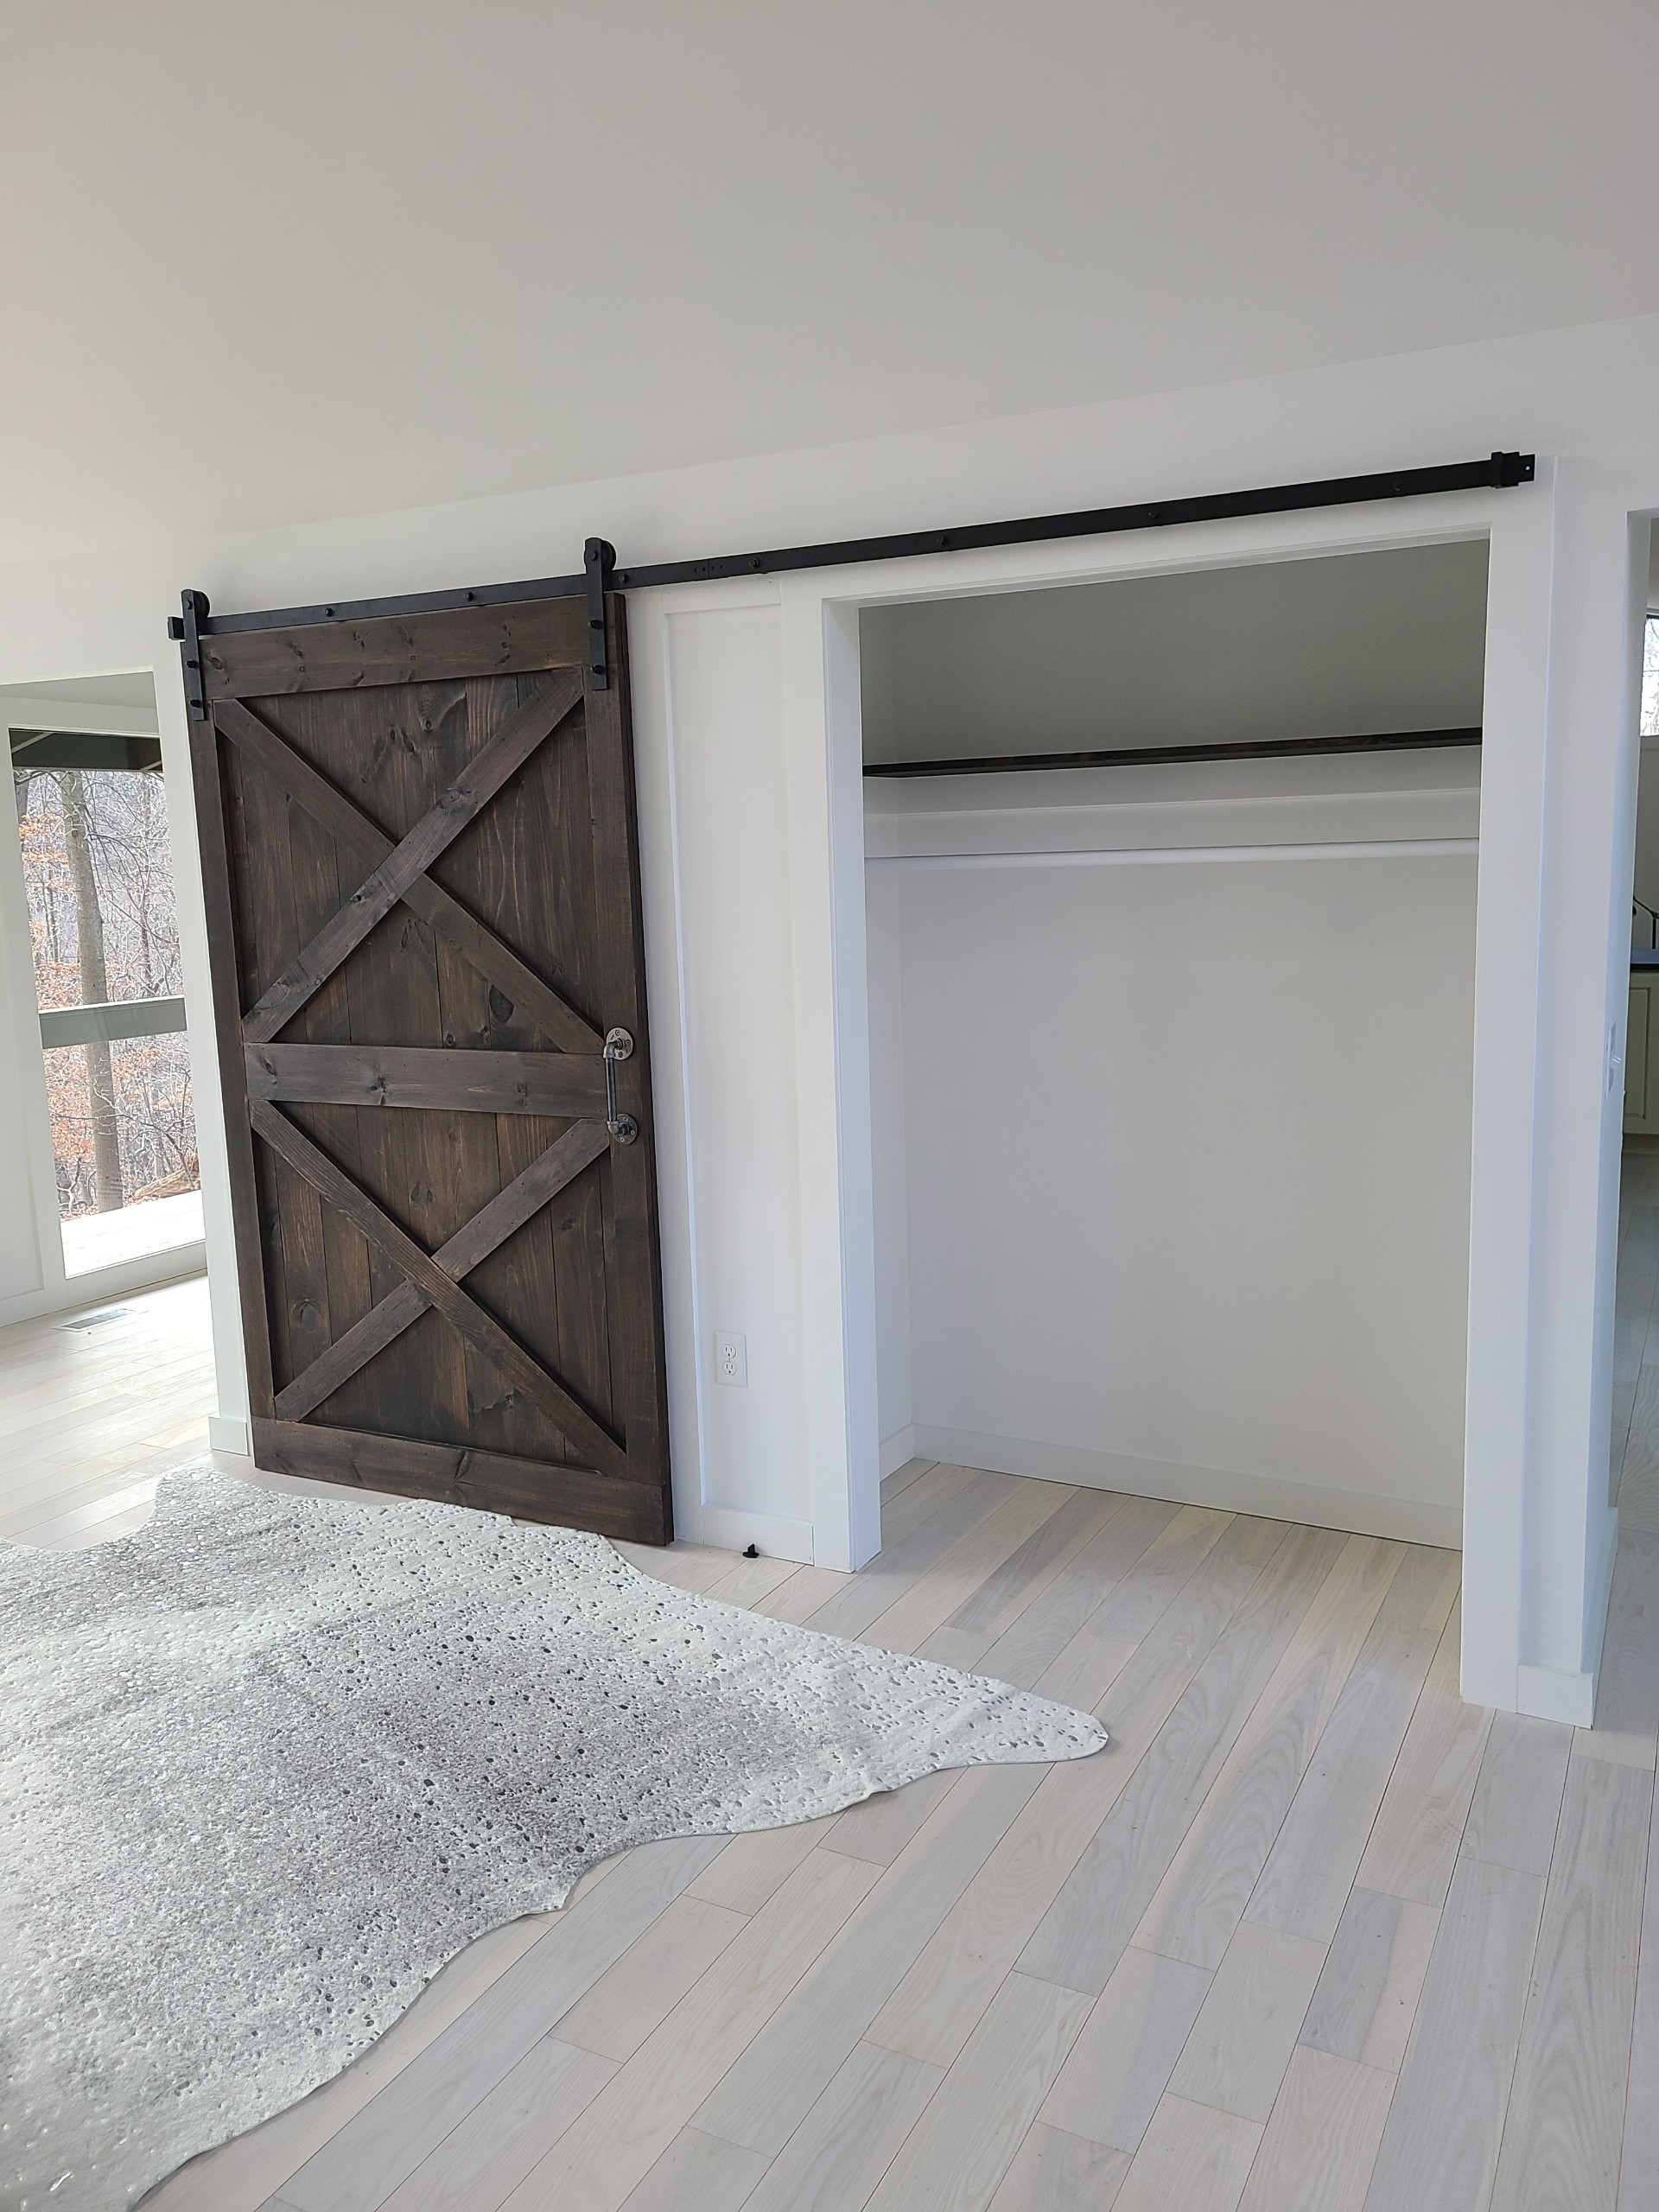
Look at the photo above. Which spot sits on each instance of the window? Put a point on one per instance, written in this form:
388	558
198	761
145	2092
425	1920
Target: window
97	870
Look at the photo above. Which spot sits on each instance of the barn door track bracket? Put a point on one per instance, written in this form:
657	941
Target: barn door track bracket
187	627
1496	472
598	566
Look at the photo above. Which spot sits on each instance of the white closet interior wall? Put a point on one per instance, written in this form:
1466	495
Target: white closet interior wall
1171	1065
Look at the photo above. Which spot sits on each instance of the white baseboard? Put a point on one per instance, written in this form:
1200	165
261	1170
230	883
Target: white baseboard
1552	1693
1601	1589
1409	1520
897	1450
225	1432
772	1537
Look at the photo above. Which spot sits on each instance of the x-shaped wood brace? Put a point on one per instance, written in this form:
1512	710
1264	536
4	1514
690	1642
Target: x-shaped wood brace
399	871
431	1277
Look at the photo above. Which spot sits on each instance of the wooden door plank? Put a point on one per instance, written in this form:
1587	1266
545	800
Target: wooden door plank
452	1080
208	790
455	1474
635	1341
325	655
442	914
402	750
381	889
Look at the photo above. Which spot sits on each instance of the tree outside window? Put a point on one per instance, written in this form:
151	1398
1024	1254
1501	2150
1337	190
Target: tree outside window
104	926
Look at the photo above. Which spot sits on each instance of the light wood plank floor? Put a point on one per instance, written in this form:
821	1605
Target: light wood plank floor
1311	1936
97	1403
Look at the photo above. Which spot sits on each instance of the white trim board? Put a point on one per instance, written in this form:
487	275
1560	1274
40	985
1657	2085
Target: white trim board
1552	1693
63	1292
729	1530
1412	1520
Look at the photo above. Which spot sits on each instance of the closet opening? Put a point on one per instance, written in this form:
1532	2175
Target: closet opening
1170	1044
1635	1345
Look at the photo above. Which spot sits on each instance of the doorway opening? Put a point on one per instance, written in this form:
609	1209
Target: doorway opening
97	884
1632	1484
1170	1058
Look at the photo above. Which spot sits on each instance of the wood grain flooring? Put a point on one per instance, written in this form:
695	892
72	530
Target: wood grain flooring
1311	1935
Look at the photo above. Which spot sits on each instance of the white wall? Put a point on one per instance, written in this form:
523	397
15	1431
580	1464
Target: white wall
1172	1131
1557	815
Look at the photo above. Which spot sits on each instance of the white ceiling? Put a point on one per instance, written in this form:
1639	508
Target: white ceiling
261	263
1347	646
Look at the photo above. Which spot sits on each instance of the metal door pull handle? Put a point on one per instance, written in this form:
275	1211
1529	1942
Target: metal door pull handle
619	1045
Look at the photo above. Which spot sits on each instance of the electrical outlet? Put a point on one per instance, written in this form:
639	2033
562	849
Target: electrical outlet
732	1358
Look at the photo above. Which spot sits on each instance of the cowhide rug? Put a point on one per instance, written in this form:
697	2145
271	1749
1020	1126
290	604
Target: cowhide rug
267	1765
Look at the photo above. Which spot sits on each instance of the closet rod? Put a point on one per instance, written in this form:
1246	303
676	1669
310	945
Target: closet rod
1131	756
1362	849
1497	471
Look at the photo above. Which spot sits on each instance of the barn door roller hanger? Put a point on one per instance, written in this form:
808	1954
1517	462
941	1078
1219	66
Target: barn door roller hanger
600	572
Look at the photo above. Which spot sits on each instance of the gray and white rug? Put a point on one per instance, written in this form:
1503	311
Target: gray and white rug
267	1765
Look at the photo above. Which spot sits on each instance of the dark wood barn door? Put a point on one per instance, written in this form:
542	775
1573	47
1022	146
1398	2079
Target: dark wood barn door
420	855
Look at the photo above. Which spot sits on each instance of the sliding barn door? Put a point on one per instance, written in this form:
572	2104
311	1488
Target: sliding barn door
420	863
